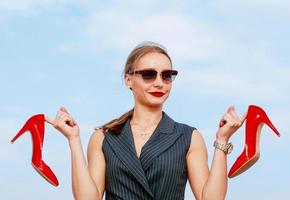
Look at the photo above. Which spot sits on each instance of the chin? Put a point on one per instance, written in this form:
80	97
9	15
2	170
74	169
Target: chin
157	102
151	101
154	105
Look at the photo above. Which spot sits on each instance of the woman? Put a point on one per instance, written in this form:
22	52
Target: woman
145	154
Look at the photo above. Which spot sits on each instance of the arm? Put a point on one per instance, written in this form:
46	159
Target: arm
84	185
96	161
196	160
211	184
87	180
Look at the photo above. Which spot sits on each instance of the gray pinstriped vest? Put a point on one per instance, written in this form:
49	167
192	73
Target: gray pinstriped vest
160	173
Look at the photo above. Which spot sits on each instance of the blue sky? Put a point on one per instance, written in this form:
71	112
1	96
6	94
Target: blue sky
71	53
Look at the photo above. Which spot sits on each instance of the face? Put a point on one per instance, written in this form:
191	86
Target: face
144	91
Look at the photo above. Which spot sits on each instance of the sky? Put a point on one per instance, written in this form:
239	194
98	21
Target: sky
71	53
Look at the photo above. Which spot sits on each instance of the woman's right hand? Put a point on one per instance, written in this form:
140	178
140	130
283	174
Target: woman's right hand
65	124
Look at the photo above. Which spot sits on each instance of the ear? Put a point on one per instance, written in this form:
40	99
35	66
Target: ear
128	80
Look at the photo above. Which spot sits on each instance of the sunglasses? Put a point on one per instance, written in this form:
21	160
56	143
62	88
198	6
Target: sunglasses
150	75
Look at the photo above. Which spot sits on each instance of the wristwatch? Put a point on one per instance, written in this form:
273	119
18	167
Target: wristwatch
226	148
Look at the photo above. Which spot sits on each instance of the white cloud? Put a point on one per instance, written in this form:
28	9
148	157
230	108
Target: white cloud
188	38
243	83
233	67
27	5
239	6
256	2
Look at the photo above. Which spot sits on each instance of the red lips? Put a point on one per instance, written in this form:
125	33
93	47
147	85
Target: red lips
157	94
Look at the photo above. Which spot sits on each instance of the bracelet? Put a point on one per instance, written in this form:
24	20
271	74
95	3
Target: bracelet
226	148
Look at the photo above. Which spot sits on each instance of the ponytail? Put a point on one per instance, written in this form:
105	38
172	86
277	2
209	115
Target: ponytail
115	126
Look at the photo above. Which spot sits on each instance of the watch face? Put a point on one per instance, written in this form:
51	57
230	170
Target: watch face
226	148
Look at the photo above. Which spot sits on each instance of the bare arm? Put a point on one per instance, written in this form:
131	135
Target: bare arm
205	183
96	161
197	166
84	184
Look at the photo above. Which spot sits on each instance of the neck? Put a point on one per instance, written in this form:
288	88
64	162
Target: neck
146	116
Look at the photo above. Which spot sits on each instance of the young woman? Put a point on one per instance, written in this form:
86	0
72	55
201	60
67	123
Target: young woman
145	154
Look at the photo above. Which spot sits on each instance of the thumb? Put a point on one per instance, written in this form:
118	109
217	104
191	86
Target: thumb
48	120
244	116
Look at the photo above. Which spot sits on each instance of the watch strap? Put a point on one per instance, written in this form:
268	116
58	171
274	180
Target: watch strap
225	147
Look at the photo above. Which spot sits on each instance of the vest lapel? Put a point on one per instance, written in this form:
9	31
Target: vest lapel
161	140
123	146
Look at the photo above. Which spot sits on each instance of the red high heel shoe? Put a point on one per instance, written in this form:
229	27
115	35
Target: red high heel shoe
256	118
35	125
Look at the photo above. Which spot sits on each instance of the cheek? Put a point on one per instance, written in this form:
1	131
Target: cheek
140	87
167	87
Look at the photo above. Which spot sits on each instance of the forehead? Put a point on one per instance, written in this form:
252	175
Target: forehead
153	60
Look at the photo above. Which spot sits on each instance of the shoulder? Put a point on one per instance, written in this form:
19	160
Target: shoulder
197	142
98	134
185	128
96	140
181	128
186	131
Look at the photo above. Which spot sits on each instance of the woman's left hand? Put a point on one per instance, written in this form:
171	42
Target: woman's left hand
229	123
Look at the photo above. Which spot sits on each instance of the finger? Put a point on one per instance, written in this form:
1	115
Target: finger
223	121
231	108
235	117
74	121
68	120
48	120
228	118
231	120
64	109
61	113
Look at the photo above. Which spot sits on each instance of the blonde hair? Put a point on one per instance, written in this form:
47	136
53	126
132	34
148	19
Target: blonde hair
115	126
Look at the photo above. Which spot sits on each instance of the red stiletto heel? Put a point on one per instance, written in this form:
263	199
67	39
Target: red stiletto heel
35	125
256	118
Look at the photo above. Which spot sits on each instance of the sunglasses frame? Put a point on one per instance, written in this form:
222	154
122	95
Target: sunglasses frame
173	74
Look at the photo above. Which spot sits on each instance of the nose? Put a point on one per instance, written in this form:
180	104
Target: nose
158	81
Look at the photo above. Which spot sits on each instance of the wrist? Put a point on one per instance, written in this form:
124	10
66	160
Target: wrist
223	145
222	139
74	140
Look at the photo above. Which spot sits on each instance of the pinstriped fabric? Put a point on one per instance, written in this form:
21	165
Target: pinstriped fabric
160	173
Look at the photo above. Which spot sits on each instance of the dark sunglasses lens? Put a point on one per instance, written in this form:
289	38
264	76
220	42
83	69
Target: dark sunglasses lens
168	75
149	75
